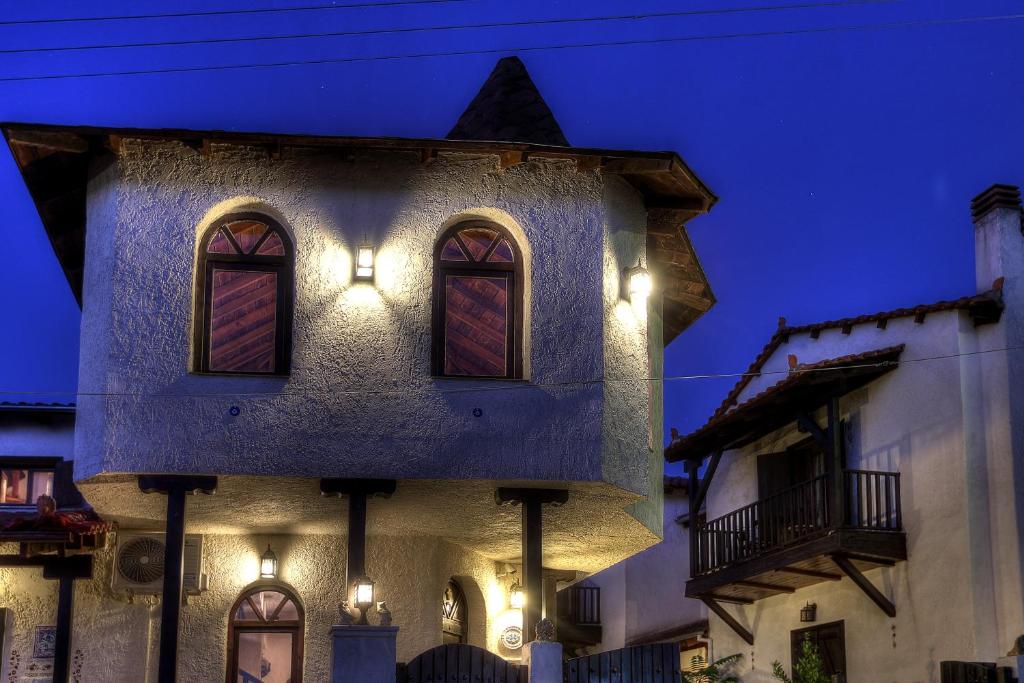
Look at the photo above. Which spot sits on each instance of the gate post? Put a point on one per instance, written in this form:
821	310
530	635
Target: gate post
543	657
363	654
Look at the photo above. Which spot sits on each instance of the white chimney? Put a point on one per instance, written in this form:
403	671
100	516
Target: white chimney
998	238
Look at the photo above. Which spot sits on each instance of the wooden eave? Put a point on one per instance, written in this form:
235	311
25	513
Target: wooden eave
56	163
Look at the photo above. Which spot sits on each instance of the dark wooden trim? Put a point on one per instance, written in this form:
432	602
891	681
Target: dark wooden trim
730	621
189	484
880	561
512	496
766	586
65	624
514	273
693	485
283	266
533	564
176	487
865	585
705	484
808	424
733	599
369	487
296	628
810	573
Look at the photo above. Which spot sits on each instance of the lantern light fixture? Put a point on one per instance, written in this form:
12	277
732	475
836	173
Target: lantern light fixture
637	283
364	263
363	598
516	596
268	564
809	612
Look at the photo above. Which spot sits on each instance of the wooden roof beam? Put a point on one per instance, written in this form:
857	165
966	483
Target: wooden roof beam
58	141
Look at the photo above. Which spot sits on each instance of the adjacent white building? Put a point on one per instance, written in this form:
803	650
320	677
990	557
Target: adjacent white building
873	468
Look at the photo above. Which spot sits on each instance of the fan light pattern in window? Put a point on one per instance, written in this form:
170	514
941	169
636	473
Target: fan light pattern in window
477	286
267	607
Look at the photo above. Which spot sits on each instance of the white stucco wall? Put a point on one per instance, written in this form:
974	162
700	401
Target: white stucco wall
923	420
360	400
645	594
119	640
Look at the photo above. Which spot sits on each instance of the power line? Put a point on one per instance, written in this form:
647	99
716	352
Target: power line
450	27
519	386
216	13
539	48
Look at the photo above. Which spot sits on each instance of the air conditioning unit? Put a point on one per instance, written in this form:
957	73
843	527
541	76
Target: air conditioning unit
139	563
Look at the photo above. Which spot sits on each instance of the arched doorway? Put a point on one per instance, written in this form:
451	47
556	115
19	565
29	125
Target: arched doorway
454	615
265	635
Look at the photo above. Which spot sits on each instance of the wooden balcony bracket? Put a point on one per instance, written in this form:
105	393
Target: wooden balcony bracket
884	604
729	619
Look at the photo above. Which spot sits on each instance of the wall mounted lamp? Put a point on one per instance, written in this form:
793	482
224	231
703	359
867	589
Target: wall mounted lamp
809	612
363	598
516	596
268	564
364	263
637	283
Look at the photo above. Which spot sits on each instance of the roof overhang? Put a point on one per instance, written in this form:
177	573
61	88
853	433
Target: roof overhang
56	163
806	389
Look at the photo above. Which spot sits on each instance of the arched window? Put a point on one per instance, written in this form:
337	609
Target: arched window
265	633
454	615
478	294
244	297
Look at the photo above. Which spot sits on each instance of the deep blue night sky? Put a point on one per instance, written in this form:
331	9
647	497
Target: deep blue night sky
845	161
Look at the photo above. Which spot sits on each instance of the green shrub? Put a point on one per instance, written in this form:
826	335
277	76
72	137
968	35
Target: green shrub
809	668
713	672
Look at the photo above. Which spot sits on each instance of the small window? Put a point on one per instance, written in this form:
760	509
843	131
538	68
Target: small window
830	639
24	486
478	272
244	297
265	634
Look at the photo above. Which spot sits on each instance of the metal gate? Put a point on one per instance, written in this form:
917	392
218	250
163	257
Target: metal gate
974	672
459	663
639	664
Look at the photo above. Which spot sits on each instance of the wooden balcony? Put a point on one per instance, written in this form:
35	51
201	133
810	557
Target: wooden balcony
798	537
579	616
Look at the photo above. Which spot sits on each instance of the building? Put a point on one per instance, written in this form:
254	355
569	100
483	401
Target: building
643	598
864	483
357	359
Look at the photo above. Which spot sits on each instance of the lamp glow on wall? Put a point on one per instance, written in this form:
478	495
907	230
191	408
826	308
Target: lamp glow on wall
637	283
363	590
268	564
364	263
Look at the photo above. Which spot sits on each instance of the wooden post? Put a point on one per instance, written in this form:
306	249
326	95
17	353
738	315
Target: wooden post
532	547
356	559
834	466
65	570
176	488
692	468
357	490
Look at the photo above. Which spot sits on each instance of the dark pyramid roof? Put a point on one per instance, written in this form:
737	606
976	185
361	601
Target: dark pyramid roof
509	108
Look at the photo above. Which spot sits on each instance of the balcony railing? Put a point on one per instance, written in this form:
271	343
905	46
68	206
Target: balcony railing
872	501
581	605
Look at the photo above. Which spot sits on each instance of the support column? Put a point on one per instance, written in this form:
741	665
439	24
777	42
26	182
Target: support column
692	468
835	463
175	487
532	501
357	491
65	571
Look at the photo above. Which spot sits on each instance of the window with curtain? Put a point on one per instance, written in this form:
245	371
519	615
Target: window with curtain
244	297
265	636
478	290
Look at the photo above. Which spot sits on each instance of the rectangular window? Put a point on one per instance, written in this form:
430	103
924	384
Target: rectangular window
830	639
476	325
24	486
243	320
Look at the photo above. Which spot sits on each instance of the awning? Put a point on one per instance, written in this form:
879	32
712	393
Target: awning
806	389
